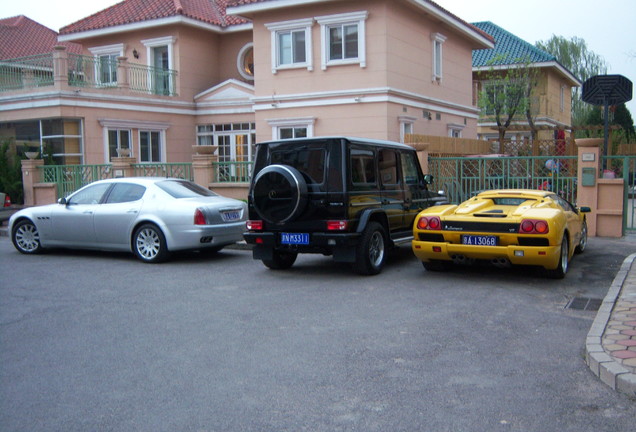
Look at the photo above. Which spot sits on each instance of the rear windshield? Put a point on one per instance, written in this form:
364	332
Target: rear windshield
510	201
184	189
309	161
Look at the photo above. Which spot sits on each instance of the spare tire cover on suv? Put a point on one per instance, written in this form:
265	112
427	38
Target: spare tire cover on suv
279	194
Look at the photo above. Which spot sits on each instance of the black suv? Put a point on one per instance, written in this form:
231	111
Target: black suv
351	198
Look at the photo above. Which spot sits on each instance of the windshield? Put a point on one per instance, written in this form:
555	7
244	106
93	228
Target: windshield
184	189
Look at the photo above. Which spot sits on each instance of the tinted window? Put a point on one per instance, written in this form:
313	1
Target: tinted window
409	169
90	195
362	167
125	192
310	162
388	160
184	189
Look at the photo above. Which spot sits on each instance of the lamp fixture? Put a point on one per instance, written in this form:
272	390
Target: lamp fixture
135	53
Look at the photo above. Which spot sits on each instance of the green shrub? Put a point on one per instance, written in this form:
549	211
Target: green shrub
11	173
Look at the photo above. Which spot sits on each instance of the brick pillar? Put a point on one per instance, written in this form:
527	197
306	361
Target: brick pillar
122	73
203	169
60	67
122	166
30	177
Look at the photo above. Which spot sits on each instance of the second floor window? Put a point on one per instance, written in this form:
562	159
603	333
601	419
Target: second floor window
438	41
291	44
108	69
343	39
291	47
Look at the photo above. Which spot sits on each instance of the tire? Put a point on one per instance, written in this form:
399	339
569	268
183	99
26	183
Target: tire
149	244
281	260
279	193
562	267
371	251
437	265
583	241
26	237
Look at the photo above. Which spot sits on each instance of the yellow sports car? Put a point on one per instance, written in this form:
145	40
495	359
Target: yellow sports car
521	227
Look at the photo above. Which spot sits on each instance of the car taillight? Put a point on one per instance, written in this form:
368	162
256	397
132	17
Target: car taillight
7	201
336	225
429	223
199	217
255	225
533	226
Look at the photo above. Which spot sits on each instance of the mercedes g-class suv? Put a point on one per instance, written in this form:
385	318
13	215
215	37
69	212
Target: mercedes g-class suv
351	198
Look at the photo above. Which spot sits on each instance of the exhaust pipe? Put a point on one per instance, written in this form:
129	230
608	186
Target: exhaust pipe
500	262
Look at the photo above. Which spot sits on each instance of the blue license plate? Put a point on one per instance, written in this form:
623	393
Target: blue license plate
477	240
230	216
294	238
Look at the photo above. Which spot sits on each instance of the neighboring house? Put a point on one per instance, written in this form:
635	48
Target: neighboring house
155	77
551	97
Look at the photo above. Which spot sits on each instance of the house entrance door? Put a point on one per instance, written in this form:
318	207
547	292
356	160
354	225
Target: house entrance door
234	156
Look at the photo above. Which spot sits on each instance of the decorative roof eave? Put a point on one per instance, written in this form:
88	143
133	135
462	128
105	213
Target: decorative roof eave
484	41
573	81
153	24
468	30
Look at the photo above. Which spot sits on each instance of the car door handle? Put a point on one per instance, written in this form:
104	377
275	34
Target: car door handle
132	211
88	212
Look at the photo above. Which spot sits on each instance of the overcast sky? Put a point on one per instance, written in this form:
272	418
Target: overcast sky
608	26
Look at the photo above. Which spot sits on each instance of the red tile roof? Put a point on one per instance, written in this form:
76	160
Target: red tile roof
135	11
21	36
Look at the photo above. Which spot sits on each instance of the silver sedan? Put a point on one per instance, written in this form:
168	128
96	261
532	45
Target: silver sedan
149	216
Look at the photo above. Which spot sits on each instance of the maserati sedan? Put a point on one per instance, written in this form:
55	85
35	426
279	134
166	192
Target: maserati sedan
149	216
505	227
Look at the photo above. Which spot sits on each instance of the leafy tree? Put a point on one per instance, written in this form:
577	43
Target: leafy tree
582	62
10	173
507	95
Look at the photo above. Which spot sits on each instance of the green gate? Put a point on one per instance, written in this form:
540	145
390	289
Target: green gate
463	177
625	167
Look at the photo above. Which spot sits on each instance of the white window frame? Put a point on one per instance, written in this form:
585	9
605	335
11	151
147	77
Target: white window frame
406	123
291	26
116	50
300	122
168	41
162	146
438	40
240	61
328	21
455	130
110	124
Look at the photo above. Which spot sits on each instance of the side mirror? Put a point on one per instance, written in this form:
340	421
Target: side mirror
62	201
428	179
585	209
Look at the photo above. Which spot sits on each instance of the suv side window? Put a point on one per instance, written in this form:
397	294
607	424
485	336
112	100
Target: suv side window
388	160
409	169
363	170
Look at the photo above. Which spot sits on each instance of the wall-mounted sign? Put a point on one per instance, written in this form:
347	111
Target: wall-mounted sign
588	157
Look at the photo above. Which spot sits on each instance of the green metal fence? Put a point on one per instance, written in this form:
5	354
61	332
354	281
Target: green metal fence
174	170
26	72
624	167
463	177
69	178
232	172
153	80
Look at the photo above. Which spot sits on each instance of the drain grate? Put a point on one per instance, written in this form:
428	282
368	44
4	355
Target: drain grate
584	303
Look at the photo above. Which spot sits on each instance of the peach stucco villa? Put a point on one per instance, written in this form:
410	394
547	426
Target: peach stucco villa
155	77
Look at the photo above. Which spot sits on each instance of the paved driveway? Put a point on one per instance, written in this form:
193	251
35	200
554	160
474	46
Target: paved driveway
94	341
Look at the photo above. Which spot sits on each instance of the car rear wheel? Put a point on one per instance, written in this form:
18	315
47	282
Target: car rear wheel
279	194
562	267
149	244
26	237
583	241
371	251
281	260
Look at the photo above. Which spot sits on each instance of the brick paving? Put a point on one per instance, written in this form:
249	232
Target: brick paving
611	342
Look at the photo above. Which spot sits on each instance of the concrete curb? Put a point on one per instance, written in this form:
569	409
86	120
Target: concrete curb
603	365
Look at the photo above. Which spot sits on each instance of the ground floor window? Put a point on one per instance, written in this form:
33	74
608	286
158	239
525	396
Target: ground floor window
58	139
235	150
149	146
292	127
118	143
